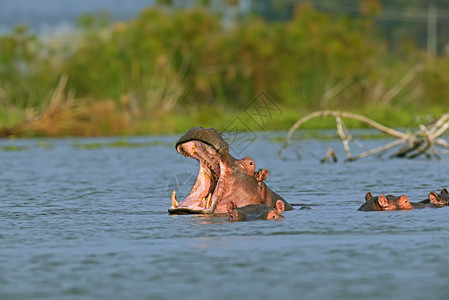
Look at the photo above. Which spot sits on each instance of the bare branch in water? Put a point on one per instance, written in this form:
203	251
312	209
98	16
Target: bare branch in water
421	142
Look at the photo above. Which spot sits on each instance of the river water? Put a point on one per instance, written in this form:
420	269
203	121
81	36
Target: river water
86	219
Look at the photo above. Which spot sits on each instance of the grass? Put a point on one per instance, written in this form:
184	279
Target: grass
147	76
109	119
67	116
13	147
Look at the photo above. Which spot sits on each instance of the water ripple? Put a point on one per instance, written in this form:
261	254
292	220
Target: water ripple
93	223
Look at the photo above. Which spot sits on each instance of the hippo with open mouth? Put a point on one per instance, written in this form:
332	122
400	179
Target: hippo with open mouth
221	178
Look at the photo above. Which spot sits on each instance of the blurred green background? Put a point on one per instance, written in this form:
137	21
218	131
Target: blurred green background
180	64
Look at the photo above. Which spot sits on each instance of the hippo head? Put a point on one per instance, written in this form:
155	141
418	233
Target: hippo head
439	199
221	177
255	211
388	202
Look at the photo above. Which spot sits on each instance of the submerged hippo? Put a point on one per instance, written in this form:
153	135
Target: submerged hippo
255	211
388	202
438	200
221	178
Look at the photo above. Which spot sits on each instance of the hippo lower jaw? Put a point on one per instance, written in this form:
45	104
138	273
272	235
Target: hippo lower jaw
187	211
207	191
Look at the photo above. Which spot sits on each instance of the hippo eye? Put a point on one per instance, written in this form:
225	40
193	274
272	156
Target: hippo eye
250	163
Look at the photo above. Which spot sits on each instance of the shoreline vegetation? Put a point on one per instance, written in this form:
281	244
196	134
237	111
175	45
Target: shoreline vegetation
168	70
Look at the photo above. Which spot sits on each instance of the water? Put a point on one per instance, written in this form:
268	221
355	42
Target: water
92	223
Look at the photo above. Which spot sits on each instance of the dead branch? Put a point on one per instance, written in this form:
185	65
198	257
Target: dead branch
344	136
421	142
330	155
377	150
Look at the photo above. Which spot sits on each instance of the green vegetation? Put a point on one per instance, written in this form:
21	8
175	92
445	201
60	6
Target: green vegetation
13	147
171	69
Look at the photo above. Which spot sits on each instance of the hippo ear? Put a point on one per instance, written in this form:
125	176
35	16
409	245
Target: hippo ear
444	191
368	196
280	206
434	199
230	206
262	174
382	201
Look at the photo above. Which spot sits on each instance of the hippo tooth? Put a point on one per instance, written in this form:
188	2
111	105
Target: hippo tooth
174	202
208	202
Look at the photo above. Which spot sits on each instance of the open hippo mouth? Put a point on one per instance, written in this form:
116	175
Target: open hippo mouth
221	177
208	147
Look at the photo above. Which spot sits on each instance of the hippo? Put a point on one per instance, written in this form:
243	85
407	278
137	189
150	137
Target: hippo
221	178
388	202
255	211
437	200
248	166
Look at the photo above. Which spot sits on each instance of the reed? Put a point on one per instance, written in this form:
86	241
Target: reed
168	70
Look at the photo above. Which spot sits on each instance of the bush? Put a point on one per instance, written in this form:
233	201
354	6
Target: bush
180	60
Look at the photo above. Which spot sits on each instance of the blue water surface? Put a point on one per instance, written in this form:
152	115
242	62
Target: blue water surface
84	219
